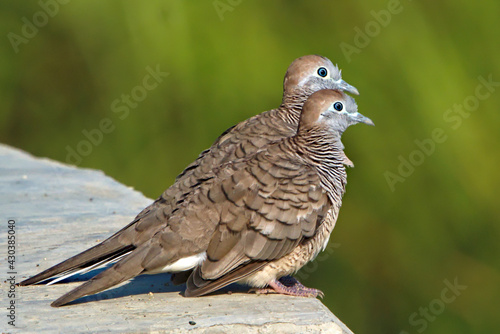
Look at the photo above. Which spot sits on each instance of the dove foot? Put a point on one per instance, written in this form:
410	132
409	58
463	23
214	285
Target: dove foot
288	285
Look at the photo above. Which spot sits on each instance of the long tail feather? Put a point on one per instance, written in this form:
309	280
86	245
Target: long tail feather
87	269
128	267
108	250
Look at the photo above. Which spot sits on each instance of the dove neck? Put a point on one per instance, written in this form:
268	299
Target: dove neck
292	103
324	150
317	140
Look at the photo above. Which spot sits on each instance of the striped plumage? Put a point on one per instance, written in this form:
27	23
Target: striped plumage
263	214
242	140
318	154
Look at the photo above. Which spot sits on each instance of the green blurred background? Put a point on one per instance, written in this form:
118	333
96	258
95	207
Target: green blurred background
398	244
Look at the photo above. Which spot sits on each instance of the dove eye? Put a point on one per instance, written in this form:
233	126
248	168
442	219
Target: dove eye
338	106
322	72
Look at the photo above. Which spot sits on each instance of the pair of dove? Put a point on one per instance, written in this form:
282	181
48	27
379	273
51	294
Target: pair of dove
254	208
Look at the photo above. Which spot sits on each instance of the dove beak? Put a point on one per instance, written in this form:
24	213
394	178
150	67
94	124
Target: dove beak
358	118
348	88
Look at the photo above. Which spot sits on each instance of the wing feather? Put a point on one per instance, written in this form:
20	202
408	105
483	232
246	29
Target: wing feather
273	204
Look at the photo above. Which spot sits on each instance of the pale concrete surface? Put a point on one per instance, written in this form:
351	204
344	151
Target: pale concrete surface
60	210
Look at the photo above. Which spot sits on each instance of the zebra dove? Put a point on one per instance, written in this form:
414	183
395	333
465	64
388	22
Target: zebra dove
257	219
304	76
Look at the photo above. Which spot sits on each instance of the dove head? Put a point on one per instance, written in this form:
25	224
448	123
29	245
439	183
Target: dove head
332	110
313	73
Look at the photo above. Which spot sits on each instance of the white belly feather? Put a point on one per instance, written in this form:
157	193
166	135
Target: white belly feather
183	264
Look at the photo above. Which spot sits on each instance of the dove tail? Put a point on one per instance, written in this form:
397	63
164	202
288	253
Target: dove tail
104	252
121	271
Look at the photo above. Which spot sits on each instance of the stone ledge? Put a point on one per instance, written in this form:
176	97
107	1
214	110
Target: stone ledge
60	210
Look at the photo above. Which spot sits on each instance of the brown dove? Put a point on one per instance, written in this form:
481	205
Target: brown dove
304	76
256	219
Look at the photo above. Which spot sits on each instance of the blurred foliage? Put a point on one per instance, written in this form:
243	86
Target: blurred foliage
396	247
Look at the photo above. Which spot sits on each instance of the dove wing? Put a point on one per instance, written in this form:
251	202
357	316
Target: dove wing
266	210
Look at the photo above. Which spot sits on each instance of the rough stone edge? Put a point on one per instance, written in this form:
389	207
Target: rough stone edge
335	326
